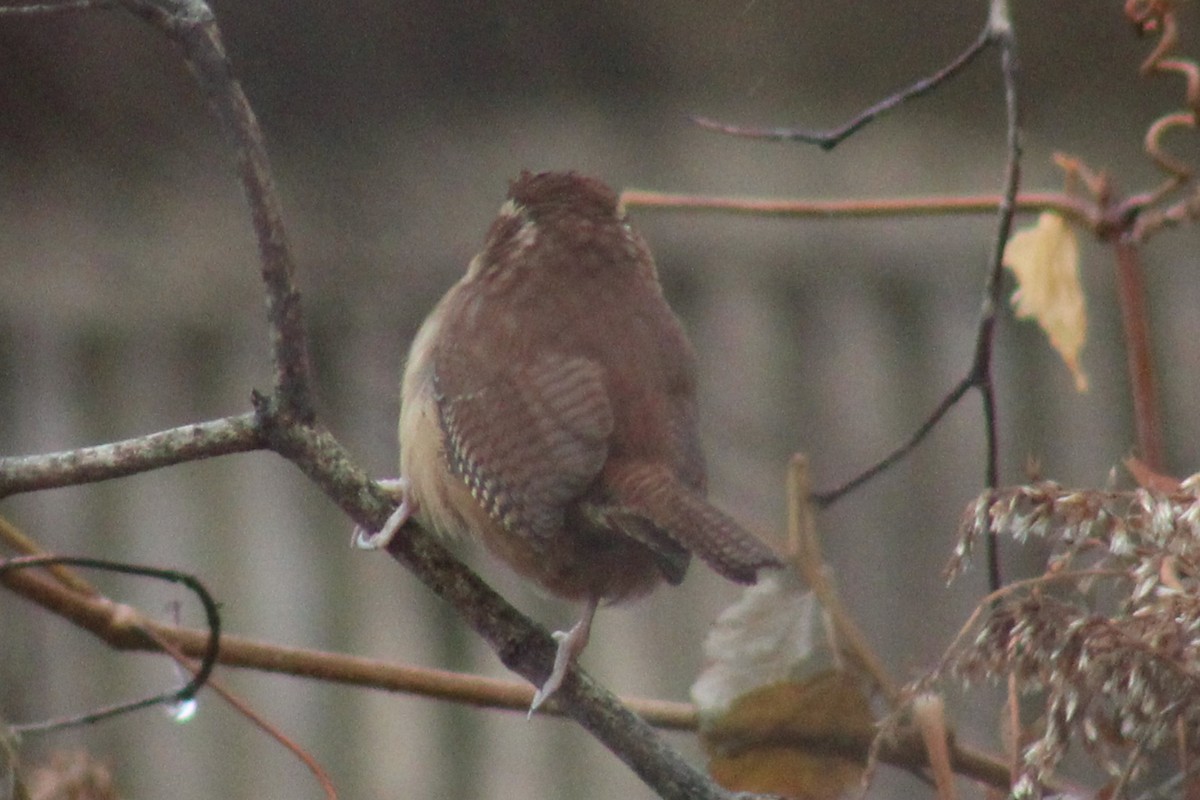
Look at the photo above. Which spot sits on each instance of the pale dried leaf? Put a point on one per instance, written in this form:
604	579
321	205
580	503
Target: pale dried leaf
1045	260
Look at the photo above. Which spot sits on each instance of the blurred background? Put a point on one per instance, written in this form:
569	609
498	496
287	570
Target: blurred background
130	303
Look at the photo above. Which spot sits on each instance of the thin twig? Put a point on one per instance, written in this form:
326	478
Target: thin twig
831	496
998	30
1000	24
979	376
827	140
802	532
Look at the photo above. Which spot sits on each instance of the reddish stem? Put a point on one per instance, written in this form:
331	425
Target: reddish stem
1131	294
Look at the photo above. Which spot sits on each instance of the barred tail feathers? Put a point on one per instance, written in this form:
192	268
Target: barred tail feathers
654	492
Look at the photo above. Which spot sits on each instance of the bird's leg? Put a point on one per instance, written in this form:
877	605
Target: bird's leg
570	645
364	539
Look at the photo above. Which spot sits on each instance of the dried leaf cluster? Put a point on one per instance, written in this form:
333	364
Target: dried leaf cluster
1108	638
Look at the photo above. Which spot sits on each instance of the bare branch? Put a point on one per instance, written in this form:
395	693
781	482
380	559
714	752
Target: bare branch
131	456
979	376
828	498
1000	25
191	24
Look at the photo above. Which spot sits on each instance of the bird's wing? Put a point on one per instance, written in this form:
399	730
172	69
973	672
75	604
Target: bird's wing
529	438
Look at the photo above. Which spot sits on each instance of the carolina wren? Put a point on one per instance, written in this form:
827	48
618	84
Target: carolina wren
549	408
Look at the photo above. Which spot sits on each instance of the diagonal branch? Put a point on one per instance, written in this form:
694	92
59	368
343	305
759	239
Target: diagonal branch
192	25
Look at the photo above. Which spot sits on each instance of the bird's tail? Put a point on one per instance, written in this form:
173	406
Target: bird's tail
654	492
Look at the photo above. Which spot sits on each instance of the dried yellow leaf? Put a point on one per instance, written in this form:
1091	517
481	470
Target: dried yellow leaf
1045	259
805	740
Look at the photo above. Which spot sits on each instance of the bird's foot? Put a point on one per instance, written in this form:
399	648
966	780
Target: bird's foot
364	539
570	645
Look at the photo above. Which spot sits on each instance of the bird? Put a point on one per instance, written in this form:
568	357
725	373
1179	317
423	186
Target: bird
549	409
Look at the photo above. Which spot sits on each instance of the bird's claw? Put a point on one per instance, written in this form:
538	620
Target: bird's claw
365	539
562	658
570	645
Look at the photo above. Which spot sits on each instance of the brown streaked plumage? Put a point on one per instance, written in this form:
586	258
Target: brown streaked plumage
549	408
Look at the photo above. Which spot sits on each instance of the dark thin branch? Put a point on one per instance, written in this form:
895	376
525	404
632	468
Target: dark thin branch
979	375
131	456
1001	25
191	24
827	140
184	693
828	498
